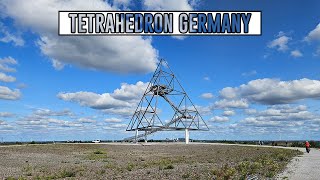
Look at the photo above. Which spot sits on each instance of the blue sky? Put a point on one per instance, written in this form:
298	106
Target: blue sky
246	87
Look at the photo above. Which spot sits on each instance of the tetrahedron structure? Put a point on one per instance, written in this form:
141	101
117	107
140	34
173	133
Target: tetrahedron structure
165	106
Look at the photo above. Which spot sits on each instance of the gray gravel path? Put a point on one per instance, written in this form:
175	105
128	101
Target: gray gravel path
306	166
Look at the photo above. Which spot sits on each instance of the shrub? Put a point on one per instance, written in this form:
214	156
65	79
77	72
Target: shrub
97	155
130	167
185	176
67	173
98	152
10	178
169	166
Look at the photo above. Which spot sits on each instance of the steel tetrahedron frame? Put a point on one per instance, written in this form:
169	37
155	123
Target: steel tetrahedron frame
165	96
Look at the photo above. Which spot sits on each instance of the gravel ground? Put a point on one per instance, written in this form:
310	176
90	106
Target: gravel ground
152	161
306	166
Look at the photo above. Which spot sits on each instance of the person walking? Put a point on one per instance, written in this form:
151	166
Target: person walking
307	146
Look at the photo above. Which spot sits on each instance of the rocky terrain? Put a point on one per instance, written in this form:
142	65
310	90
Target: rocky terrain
131	161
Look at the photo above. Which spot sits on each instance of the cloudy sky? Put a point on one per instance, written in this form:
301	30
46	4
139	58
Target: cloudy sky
248	87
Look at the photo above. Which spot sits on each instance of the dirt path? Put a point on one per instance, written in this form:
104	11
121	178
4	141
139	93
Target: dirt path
306	166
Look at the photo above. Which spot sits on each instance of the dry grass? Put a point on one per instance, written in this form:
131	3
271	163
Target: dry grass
105	161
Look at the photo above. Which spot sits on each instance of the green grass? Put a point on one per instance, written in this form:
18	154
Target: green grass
10	178
98	152
28	170
67	173
266	165
169	166
185	176
130	167
97	155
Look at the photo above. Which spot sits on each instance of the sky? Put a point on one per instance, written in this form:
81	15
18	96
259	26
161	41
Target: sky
83	88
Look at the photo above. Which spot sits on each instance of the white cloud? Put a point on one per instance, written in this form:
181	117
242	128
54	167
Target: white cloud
6	128
116	126
229	113
6	36
41	120
313	35
250	111
5	64
167	5
228	93
281	43
86	120
56	121
278	110
219	119
36	122
113	120
204	110
225	103
207	78
8	94
274	91
125	54
123	111
93	100
280	116
207	96
6	78
120	102
57	64
6	114
129	92
48	112
296	53
255	122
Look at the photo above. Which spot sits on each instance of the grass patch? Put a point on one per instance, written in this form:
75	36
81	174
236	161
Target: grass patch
28	170
165	164
225	172
169	166
185	176
10	178
97	155
110	166
266	165
130	167
98	152
67	173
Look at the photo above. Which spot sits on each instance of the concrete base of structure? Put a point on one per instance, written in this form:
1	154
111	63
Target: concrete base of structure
145	137
187	136
137	133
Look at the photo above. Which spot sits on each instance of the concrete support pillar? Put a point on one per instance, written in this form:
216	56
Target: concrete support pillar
187	136
137	133
145	137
